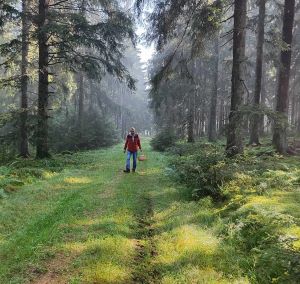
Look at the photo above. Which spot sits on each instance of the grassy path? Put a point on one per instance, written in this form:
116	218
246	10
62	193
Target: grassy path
91	223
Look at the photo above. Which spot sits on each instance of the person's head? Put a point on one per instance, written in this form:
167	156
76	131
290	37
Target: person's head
132	130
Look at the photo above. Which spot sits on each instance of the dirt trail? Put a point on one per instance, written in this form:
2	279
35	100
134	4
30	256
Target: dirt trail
145	271
56	271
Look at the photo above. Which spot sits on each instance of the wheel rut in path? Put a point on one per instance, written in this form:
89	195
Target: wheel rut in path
145	272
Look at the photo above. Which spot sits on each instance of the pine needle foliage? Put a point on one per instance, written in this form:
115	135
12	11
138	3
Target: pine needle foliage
92	41
187	22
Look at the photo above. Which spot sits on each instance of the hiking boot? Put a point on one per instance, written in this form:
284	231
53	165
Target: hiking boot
126	171
133	170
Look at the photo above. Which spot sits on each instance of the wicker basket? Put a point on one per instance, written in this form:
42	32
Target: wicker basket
142	158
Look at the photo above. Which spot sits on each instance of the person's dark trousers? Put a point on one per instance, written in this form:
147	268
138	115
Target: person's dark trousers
134	155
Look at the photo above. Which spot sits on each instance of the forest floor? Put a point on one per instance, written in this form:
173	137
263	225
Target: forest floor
88	222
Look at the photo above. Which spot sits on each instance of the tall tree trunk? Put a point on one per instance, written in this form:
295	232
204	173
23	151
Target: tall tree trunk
293	97
42	150
81	83
298	114
80	102
221	115
234	137
280	125
24	151
263	101
190	120
254	130
221	105
212	131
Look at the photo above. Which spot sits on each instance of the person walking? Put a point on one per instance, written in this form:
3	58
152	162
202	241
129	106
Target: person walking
131	145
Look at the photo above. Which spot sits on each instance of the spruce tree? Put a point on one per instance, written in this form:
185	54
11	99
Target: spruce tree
254	130
66	36
234	137
281	123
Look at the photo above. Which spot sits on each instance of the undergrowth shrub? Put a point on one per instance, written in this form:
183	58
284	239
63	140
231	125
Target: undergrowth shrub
205	169
163	140
97	131
202	167
8	135
256	229
270	256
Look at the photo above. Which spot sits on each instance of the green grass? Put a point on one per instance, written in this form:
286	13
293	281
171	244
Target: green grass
80	219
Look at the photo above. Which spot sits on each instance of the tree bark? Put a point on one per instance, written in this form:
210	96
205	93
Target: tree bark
234	137
281	123
255	119
42	150
81	83
221	115
80	102
190	120
293	102
263	98
298	114
24	151
212	131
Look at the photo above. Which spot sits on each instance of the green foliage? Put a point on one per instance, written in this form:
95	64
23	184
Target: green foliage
184	22
208	172
258	236
21	171
96	131
155	231
259	216
8	12
96	48
13	178
163	140
205	23
83	218
8	135
2	193
202	167
88	37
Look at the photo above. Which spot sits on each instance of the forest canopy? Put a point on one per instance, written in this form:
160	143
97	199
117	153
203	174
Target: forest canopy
69	78
226	68
222	69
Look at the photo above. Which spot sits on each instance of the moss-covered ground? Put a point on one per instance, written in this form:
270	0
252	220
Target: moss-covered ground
79	219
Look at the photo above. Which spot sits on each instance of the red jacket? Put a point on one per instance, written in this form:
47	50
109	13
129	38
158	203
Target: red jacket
132	143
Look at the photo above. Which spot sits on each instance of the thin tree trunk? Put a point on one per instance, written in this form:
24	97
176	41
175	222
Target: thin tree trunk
212	131
293	98
254	129
190	120
298	114
263	101
234	137
42	150
81	83
281	123
24	151
80	102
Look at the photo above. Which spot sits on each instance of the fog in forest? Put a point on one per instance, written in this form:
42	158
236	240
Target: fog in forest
150	141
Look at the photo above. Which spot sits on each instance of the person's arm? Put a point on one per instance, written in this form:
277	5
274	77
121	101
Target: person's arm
139	143
126	144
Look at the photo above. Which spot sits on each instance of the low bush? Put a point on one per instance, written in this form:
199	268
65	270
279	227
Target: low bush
163	140
205	169
97	132
202	167
270	255
259	218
